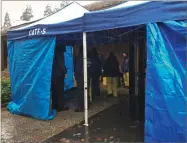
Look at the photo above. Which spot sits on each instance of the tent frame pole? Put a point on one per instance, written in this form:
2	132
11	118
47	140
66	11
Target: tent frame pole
85	79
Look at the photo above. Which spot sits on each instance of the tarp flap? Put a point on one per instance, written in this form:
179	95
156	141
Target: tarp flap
165	110
30	63
69	80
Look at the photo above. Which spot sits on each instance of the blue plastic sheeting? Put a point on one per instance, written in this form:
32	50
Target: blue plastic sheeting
117	17
30	63
165	109
143	13
69	80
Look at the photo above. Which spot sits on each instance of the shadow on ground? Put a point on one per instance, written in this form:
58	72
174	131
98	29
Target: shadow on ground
105	126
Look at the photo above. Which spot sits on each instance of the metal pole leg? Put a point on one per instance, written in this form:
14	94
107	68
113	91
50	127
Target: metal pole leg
85	80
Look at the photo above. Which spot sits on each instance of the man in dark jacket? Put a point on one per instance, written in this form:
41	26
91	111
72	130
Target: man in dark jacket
79	77
58	75
102	60
96	73
112	73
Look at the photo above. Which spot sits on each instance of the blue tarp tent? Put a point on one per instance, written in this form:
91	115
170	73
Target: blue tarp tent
31	57
165	118
165	105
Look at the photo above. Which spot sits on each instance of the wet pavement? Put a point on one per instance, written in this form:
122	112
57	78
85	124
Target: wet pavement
106	126
15	128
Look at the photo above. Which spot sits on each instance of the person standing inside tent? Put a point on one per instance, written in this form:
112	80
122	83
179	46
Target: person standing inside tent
96	73
58	74
112	73
89	74
102	61
125	69
79	77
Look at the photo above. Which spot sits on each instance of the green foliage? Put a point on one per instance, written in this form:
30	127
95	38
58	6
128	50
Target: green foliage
5	90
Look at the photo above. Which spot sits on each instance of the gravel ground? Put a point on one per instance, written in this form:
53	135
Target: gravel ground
16	128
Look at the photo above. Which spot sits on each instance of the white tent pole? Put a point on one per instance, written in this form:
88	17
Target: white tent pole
85	80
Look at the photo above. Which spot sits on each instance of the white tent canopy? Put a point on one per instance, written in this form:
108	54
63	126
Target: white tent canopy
70	12
128	4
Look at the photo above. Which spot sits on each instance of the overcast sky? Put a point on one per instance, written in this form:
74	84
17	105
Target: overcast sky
15	9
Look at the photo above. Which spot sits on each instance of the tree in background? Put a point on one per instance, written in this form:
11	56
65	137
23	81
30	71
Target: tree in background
7	23
64	3
56	9
48	11
27	14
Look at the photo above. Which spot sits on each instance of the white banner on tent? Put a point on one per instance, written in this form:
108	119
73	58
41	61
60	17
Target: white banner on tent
37	31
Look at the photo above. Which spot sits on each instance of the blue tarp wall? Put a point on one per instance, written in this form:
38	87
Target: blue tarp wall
165	109
69	81
30	63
